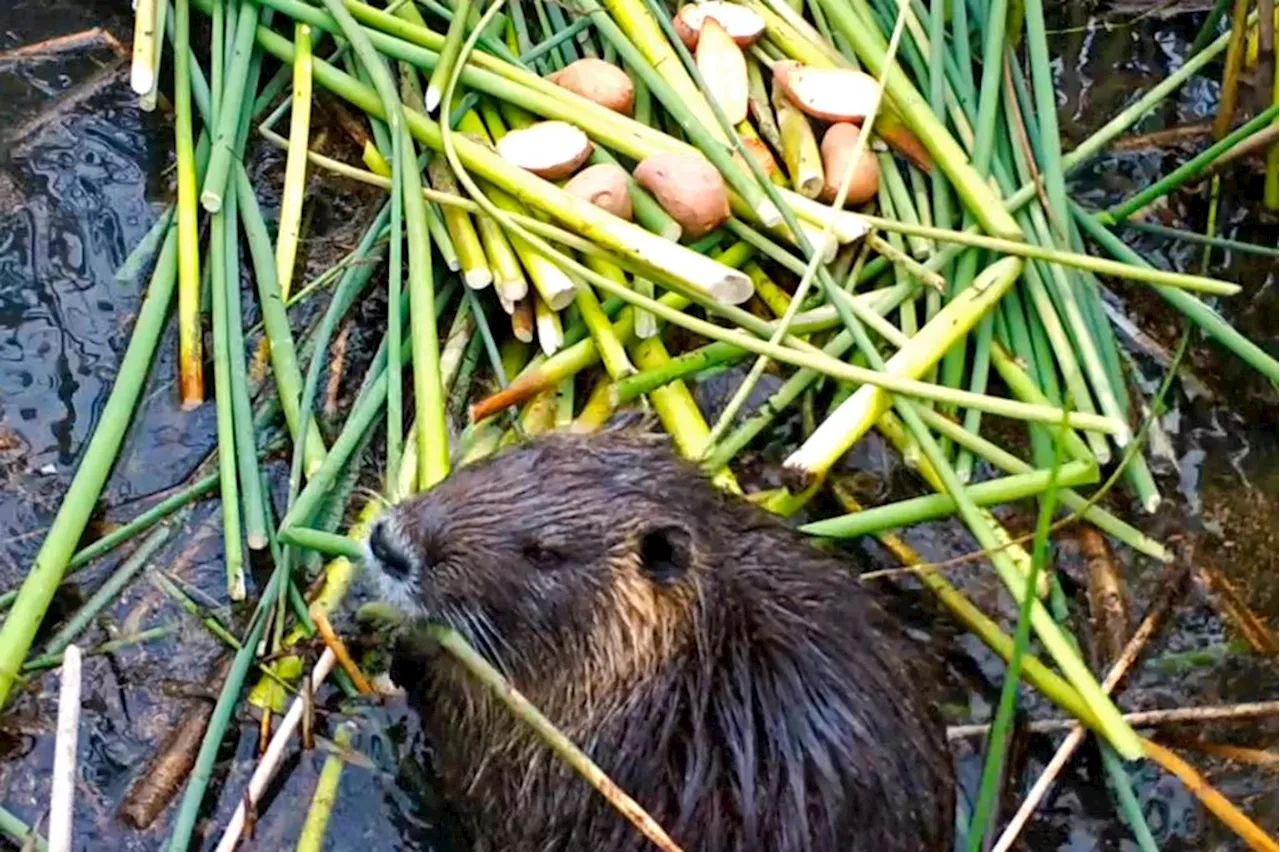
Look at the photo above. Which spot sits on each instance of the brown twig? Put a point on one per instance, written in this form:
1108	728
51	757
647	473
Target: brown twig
168	770
325	629
1254	143
1011	103
337	366
1183	134
1231	71
264	730
66	44
1238	754
1208	795
1108	597
520	390
355	130
1124	661
101	80
1142	719
1233	607
308	722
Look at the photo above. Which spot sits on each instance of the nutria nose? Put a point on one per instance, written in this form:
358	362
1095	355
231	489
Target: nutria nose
381	544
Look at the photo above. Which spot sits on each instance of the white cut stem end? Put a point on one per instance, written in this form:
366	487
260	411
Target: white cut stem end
62	794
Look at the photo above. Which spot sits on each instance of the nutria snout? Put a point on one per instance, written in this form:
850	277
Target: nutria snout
734	679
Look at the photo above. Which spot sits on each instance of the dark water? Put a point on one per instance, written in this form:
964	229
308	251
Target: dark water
83	173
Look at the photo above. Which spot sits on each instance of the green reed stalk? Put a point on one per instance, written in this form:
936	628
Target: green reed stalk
1209	26
1182	235
363	414
1202	315
997	743
208	101
1063	294
395	273
311	836
184	822
330	544
1046	112
953	363
528	57
344	295
1097	265
1127	800
157	513
224	132
255	525
448	53
992	492
107	592
233	556
284	359
145	249
1188	170
295	169
190	357
45	662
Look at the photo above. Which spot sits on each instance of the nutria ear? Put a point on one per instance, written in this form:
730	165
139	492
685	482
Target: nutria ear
666	552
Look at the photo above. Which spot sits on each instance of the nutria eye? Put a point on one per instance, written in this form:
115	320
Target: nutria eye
540	555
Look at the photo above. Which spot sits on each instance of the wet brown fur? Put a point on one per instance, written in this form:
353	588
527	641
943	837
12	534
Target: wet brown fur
734	679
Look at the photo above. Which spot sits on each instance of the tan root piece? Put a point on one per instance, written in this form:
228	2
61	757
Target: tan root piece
605	186
689	188
549	149
599	81
743	24
838	147
831	94
723	69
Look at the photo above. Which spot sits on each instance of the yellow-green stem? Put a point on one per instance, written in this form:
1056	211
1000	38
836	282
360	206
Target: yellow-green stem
295	167
190	344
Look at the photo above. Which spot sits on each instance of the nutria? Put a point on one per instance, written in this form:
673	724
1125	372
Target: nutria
733	678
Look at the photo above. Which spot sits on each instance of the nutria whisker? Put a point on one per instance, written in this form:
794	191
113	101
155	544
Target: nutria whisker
477	628
496	640
375	497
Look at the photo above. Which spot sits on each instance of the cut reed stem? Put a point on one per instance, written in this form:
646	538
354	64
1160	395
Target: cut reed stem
295	169
558	742
190	348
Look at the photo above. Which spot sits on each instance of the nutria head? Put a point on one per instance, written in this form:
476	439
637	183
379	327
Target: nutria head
737	681
557	552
